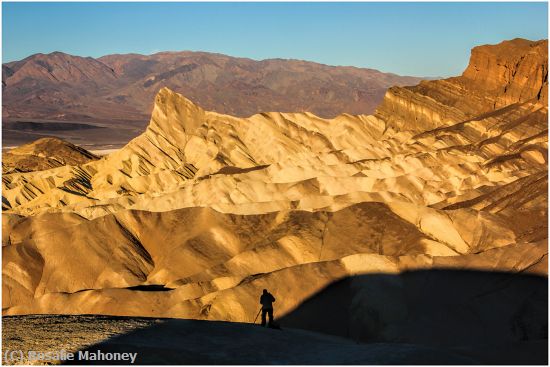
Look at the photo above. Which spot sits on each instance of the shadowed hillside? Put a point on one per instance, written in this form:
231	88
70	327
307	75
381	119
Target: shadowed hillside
214	342
418	317
438	308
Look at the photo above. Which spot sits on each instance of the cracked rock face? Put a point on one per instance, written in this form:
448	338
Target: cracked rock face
514	71
497	76
213	208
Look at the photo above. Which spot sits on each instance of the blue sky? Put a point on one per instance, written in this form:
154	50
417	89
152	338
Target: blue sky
422	39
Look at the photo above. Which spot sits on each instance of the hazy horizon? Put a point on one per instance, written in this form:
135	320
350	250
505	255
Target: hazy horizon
391	37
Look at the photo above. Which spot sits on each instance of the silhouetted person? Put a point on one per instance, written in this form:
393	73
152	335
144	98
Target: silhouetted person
266	300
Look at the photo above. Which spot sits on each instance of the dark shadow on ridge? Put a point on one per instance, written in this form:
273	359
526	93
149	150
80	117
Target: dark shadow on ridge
497	317
150	288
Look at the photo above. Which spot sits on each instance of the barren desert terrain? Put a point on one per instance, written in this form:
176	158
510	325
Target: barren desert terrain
424	223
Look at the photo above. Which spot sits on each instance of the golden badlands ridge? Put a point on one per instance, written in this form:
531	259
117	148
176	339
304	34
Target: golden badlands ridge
194	217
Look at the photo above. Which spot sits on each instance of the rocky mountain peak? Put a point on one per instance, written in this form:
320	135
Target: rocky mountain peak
512	71
173	114
499	75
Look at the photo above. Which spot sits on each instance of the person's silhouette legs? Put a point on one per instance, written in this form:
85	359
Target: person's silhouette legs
269	313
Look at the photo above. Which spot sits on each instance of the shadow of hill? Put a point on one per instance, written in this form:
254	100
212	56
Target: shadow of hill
217	342
417	317
498	317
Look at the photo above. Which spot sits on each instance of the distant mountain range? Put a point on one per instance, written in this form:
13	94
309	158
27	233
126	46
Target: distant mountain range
59	86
